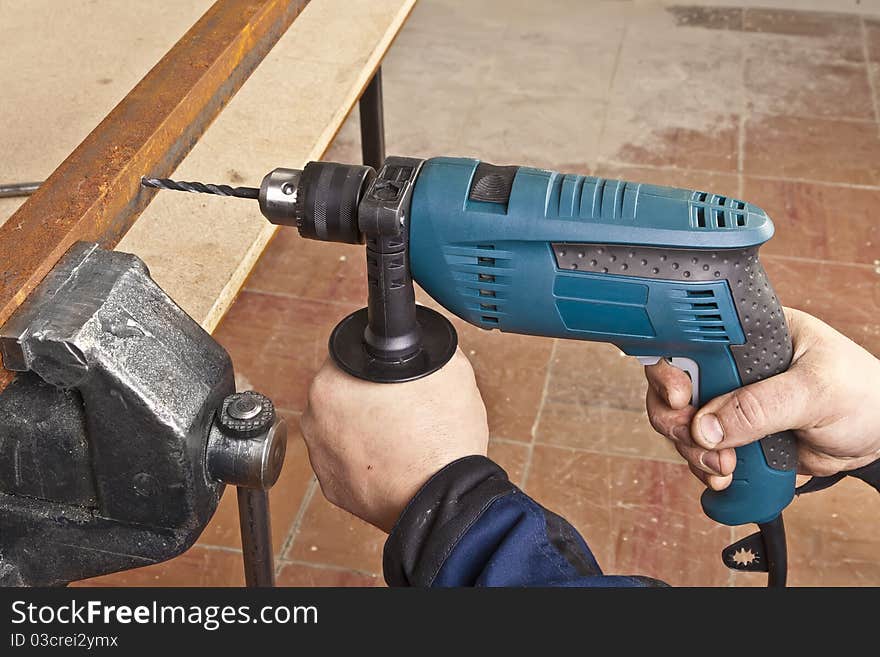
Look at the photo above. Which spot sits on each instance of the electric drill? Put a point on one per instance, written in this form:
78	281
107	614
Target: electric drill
659	272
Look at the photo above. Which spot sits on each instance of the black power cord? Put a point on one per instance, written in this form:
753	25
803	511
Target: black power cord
776	552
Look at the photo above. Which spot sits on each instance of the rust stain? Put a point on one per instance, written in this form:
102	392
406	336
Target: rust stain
95	194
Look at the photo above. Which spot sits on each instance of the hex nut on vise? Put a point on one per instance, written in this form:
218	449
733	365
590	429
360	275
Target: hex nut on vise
247	442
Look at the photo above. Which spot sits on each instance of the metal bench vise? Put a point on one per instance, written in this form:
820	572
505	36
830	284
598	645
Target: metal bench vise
120	430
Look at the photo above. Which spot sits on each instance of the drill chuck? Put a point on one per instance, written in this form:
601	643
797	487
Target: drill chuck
321	200
278	193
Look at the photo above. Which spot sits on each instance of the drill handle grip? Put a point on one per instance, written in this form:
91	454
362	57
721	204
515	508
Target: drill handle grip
764	479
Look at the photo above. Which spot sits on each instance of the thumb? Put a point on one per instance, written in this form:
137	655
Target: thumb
752	412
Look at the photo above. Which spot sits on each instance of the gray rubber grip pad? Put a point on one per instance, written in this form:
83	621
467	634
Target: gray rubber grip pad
767	350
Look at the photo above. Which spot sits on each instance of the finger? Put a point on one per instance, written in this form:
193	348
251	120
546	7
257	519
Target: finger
719	483
714	462
663	418
752	412
711	481
671	383
802	328
699	474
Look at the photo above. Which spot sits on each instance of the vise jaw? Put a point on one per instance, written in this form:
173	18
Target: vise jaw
104	433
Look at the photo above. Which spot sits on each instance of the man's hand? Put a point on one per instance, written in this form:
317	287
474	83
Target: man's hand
830	397
374	445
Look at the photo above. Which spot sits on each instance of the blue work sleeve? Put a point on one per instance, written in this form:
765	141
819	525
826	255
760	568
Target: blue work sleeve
470	526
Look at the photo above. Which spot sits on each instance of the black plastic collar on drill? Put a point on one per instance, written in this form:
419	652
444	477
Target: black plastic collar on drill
327	201
767	350
393	339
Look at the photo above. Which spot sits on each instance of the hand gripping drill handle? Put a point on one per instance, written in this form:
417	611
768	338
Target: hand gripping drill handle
764	479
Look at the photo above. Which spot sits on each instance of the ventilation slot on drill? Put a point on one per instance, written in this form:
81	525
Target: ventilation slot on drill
484	306
710	332
482	274
487	307
486	261
701	316
714	212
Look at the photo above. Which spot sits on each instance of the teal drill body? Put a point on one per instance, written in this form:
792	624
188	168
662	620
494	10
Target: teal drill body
656	271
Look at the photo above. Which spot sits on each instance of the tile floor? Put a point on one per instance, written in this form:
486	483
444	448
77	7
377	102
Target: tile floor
779	107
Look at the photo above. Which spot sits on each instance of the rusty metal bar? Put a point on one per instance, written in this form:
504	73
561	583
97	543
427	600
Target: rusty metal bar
95	194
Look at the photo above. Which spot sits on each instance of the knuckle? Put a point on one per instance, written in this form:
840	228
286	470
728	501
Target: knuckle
748	411
727	459
317	392
328	489
330	495
657	423
686	454
653	374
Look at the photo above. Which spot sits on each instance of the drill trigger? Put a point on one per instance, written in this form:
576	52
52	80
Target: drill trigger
689	366
693	371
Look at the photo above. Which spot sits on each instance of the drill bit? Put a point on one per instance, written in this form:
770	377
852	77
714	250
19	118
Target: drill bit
11	190
202	188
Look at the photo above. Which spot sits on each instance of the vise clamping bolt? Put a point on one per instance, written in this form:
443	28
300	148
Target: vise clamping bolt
121	429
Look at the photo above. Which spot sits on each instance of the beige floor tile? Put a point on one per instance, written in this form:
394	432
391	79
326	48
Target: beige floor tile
836	36
568	22
832	538
333	537
198	566
511	371
595	400
807	84
872	33
709	18
812	149
510	456
513	128
298	574
675	103
531	65
658	527
824	222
